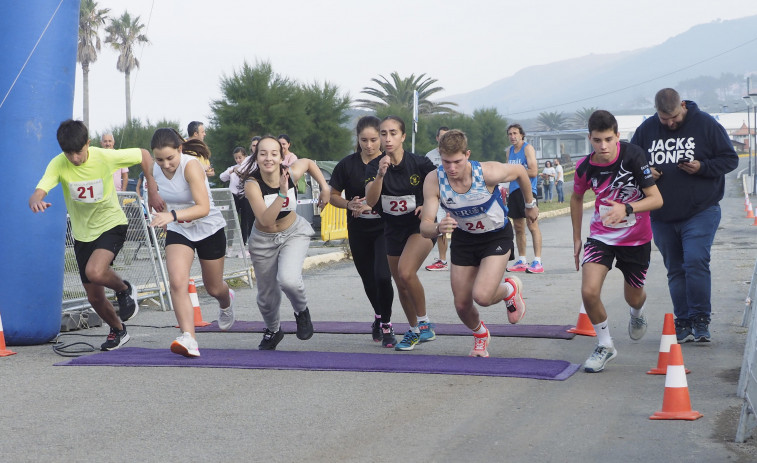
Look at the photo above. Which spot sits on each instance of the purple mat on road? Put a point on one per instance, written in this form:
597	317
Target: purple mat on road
457	329
333	361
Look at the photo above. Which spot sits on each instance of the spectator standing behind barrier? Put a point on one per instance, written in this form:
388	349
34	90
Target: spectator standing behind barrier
617	172
468	191
559	181
690	153
548	174
524	154
440	264
280	238
120	176
236	186
193	223
365	228
394	188
196	131
289	157
98	223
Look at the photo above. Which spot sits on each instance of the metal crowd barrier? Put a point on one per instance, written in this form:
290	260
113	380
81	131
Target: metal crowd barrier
142	258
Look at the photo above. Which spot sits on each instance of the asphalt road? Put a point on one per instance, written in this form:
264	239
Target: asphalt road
64	414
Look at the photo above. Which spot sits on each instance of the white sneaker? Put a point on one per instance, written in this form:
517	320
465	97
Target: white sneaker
230	252
226	316
637	327
185	345
599	358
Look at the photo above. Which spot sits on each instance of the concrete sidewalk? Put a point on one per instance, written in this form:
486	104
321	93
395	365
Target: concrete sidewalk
176	414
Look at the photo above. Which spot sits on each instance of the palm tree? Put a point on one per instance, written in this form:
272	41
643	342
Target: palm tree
552	121
91	18
123	34
399	92
581	116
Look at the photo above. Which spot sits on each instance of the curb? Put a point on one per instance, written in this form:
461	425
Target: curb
563	211
330	257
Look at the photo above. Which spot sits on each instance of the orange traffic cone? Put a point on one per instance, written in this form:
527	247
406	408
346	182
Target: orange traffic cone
3	351
583	326
668	338
196	305
747	204
750	213
676	403
755	218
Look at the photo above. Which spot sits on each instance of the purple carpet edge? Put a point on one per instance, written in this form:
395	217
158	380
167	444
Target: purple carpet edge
544	369
444	329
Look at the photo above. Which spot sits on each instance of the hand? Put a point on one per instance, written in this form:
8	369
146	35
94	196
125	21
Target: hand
418	210
577	245
324	197
447	225
690	167
656	174
364	208
161	219
615	215
356	203
39	206
532	214
155	201
210	172
383	165
284	182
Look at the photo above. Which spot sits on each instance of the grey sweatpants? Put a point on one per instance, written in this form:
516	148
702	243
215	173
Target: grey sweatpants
277	259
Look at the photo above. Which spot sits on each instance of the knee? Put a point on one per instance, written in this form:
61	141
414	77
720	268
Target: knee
590	295
290	283
483	298
95	276
217	290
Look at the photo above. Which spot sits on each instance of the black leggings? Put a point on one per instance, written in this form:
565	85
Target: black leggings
246	216
369	255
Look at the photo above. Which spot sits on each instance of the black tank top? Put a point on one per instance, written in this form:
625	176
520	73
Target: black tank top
268	190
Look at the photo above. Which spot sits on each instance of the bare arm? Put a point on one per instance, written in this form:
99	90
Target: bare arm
496	173
124	180
154	199
36	203
373	188
303	165
194	174
576	218
652	200
533	166
428	228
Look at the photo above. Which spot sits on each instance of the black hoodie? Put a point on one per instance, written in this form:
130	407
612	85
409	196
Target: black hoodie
698	137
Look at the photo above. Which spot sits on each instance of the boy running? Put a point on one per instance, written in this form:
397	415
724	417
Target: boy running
97	221
620	230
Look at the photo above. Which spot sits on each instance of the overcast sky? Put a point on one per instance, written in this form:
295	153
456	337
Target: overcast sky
465	45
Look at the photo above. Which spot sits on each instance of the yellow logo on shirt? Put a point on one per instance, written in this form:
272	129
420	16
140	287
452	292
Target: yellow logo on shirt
415	179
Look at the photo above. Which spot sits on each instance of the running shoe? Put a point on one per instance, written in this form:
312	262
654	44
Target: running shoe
637	327
516	308
128	307
427	331
518	266
535	267
683	330
599	358
437	266
185	345
701	331
304	325
226	316
408	341
387	335
480	343
271	339
116	338
376	330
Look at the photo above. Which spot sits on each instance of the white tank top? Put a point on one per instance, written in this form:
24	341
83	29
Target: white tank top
177	195
477	210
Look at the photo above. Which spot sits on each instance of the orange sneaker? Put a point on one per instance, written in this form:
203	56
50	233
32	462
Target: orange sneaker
480	343
516	308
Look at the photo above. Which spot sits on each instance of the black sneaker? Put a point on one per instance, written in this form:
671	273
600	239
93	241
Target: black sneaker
127	303
387	335
376	330
701	327
116	339
271	339
683	330
304	325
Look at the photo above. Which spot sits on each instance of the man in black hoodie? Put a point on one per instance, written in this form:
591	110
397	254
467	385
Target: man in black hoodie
690	153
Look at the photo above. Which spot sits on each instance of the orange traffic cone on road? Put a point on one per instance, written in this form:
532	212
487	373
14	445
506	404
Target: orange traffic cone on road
3	351
583	325
196	305
668	338
755	218
749	213
676	403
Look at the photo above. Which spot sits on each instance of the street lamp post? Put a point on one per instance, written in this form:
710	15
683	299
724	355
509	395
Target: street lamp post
748	102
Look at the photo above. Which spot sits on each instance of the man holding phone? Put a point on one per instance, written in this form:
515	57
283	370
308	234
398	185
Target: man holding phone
689	153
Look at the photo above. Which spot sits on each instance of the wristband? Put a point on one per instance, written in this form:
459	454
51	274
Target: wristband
173	213
629	209
281	195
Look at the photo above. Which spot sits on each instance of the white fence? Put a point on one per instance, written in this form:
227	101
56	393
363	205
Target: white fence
142	258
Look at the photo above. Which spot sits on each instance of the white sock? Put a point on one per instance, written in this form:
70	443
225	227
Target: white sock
522	259
415	329
537	259
423	319
509	289
603	334
636	313
481	329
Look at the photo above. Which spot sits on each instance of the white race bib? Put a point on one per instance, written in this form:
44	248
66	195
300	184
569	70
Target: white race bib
371	214
178	207
629	221
90	191
481	223
290	204
398	205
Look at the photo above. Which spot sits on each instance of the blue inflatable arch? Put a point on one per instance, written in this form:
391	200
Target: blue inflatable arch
38	41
